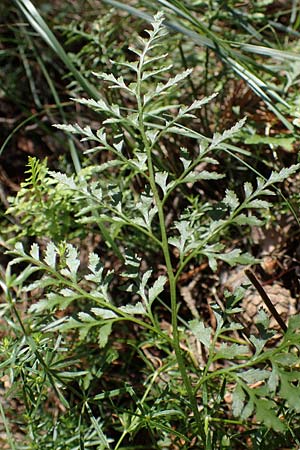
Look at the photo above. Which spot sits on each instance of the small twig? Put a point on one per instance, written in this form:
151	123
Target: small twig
277	277
266	299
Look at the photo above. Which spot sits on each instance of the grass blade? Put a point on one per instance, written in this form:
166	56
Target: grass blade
227	53
38	23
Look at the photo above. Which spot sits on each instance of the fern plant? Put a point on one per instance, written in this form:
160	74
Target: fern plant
40	209
186	410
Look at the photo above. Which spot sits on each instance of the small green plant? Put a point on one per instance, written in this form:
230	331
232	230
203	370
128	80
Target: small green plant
179	402
41	209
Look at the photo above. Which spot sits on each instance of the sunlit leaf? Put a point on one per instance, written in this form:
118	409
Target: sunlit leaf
202	333
51	254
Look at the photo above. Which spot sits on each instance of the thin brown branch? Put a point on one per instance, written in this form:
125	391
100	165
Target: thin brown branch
266	299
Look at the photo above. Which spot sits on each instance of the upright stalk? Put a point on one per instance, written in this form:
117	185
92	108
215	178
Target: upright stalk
165	247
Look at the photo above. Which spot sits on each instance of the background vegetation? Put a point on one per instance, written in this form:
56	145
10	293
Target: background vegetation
127	320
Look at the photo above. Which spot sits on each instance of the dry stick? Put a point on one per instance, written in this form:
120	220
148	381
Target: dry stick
266	299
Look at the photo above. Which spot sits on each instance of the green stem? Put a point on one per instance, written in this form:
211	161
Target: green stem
9	436
135	421
31	343
231	371
165	247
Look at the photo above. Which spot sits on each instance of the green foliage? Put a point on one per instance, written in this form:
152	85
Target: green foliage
41	208
86	316
98	41
249	40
